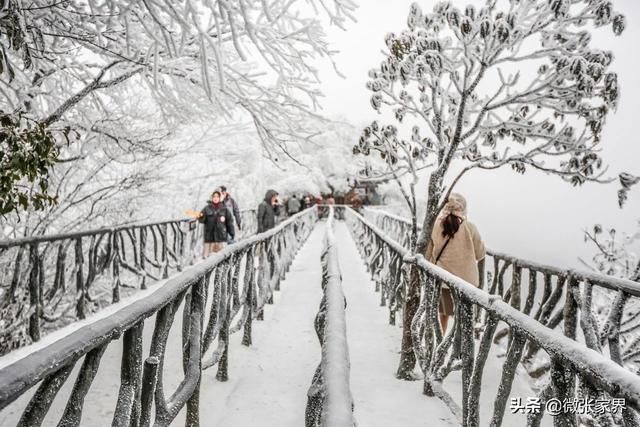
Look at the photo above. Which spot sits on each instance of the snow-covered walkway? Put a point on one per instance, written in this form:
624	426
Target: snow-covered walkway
268	381
380	399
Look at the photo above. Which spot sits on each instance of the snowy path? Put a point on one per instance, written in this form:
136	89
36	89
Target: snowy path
380	399
268	381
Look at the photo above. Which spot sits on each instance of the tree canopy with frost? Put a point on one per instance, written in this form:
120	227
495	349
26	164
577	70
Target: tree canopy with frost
514	83
616	253
70	63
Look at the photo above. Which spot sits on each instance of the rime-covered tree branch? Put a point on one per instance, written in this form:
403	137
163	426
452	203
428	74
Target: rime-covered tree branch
514	83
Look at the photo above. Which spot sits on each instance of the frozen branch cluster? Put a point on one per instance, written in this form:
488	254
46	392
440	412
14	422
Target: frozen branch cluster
128	75
178	49
615	254
435	72
514	83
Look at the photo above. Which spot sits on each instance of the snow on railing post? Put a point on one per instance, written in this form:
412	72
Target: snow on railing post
250	295
549	309
34	293
599	377
124	252
115	270
141	384
80	297
329	400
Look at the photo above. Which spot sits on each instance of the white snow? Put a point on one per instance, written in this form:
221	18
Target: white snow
337	411
269	380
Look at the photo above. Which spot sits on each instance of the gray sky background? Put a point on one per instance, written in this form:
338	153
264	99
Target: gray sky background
535	216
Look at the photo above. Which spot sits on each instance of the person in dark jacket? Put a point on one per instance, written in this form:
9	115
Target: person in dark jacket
231	204
218	224
293	205
268	210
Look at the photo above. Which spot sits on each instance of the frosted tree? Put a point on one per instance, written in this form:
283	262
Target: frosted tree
616	253
402	161
514	83
72	64
316	166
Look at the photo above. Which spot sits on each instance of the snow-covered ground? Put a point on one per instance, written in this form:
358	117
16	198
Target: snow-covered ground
268	382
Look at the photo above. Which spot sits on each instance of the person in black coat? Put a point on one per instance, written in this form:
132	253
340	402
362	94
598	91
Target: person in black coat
268	210
230	203
218	224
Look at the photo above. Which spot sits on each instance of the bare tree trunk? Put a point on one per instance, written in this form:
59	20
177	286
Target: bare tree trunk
412	298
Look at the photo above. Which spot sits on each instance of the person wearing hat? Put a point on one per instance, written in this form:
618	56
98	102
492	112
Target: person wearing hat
457	247
218	224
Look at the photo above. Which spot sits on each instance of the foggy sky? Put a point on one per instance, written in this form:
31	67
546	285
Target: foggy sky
534	216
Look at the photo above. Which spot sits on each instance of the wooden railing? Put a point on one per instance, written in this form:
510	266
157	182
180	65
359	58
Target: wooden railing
577	370
41	289
218	297
329	401
608	307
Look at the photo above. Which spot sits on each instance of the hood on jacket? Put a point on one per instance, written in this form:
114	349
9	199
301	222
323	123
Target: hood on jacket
269	195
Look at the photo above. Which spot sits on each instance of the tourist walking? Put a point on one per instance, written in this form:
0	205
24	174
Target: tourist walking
231	204
218	224
457	247
293	205
268	210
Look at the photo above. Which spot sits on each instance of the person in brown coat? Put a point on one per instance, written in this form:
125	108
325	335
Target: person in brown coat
457	247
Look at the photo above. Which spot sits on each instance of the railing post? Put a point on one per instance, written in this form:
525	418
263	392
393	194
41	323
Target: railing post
411	302
249	285
475	385
34	292
181	236
73	411
149	380
516	289
80	297
40	403
197	309
143	257
127	412
116	268
563	378
225	302
563	386
262	265
164	257
432	323
467	352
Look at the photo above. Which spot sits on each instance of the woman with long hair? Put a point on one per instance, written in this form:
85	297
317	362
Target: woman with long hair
218	224
457	247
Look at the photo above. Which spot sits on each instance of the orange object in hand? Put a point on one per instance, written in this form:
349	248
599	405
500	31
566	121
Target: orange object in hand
193	214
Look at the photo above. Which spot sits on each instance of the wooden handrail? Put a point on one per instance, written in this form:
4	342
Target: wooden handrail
236	300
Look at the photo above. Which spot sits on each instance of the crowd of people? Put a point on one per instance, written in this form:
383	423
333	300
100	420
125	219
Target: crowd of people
455	243
221	215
